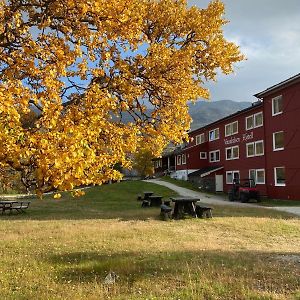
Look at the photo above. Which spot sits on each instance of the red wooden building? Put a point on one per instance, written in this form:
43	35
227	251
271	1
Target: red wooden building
260	142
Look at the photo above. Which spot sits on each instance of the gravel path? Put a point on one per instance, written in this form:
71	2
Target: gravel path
218	200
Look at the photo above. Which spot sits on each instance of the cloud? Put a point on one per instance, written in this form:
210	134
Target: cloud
268	33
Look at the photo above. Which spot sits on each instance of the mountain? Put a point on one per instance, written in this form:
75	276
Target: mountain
205	112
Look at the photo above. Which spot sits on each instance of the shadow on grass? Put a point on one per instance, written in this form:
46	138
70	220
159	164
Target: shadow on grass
205	270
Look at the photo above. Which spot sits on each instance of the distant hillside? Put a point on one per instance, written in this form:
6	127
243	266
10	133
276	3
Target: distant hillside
205	112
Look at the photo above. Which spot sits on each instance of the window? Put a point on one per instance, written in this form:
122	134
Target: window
232	153
214	156
200	139
203	155
277	105
279	176
278	143
178	160
183	159
255	149
158	163
230	175
258	119
214	134
254	121
249	122
257	175
231	128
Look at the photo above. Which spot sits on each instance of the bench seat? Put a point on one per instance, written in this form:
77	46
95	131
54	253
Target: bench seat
203	211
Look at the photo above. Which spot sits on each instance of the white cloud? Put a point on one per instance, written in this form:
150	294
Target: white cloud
268	33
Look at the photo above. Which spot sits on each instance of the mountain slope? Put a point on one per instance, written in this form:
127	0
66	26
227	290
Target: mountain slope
205	112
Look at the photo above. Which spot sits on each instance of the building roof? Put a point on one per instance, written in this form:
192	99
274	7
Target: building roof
254	105
206	171
278	86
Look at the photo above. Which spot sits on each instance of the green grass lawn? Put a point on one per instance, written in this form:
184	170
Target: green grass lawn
63	249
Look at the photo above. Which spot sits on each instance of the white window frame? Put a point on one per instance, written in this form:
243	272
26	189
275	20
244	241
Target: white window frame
273	101
231	124
277	149
262	119
205	155
214	136
232	152
275	177
248	128
200	138
248	144
215	151
253	121
178	160
255	151
183	159
232	172
256	171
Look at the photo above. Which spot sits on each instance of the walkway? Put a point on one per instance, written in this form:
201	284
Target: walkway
218	200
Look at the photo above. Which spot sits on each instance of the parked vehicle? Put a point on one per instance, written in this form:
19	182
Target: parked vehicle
243	190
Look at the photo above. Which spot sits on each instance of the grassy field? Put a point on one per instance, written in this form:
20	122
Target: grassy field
63	249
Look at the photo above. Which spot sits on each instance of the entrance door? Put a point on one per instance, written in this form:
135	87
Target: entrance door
219	183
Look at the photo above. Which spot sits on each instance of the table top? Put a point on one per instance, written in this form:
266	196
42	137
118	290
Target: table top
155	196
148	192
8	202
184	199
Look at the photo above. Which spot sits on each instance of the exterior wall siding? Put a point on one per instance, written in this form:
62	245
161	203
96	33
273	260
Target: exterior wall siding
288	122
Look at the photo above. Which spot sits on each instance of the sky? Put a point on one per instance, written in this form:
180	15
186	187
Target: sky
268	33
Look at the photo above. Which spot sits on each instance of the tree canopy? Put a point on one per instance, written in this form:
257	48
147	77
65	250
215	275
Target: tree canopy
82	65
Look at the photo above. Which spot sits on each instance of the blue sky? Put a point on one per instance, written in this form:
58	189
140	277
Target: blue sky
268	32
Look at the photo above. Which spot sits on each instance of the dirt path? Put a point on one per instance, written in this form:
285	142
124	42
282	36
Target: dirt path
218	200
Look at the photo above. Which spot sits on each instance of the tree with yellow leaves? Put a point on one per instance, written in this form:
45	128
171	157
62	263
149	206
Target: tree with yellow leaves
81	65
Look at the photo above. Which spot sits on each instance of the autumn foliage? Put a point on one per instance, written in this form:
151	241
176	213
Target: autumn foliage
82	65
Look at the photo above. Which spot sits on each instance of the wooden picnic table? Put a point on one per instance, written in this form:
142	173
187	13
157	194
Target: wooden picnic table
184	205
18	206
147	194
155	200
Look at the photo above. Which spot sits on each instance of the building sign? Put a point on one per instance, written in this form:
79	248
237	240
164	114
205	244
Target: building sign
243	138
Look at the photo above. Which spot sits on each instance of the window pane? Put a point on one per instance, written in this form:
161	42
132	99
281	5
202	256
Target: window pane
277	105
259	148
235	152
280	104
227	130
250	149
280	175
229	177
211	155
278	139
249	122
234	127
217	133
260	176
252	175
228	153
258	119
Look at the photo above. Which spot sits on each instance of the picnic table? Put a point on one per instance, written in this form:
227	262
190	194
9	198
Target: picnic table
184	205
147	194
155	200
18	206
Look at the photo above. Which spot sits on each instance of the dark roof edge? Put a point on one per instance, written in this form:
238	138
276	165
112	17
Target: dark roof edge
279	85
254	105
